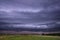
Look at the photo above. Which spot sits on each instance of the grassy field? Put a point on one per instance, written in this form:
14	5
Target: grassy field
28	37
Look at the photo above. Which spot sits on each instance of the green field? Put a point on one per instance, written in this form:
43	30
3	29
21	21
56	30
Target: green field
28	37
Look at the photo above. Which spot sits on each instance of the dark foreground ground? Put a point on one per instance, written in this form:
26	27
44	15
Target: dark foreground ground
28	37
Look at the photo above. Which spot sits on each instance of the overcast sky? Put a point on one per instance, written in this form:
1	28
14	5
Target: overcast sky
30	13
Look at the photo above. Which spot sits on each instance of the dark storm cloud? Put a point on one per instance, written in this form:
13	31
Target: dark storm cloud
30	13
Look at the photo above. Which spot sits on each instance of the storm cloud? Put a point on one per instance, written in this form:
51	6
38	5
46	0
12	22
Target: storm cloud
30	13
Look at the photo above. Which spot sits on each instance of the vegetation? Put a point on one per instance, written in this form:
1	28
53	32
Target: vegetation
28	37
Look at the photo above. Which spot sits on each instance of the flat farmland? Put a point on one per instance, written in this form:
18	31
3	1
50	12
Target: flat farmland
28	37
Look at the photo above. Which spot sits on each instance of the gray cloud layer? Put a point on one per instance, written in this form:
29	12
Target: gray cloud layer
30	12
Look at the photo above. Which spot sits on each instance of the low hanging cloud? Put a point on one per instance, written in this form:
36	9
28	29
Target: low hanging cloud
30	13
21	10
